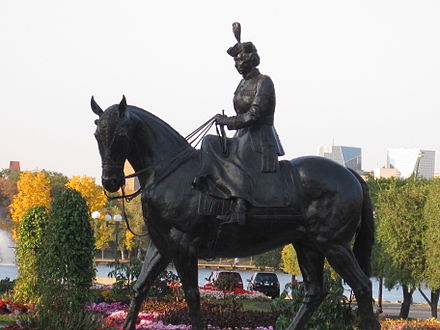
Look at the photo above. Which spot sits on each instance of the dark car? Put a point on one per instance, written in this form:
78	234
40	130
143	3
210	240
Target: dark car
266	283
220	278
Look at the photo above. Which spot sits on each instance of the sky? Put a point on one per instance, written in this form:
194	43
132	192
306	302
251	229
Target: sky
346	72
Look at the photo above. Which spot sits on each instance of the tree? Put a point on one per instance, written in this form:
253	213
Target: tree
137	225
8	189
89	190
431	242
29	264
33	190
289	262
10	174
400	232
68	255
380	259
96	201
270	258
57	182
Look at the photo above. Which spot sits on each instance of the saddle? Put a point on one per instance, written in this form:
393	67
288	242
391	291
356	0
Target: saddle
224	177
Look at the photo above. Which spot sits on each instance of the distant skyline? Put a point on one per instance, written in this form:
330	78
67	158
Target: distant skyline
362	74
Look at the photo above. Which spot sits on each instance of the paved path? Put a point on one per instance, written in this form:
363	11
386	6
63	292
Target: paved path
417	311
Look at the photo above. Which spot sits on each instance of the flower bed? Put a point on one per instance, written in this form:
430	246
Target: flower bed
9	307
392	324
174	315
218	315
213	293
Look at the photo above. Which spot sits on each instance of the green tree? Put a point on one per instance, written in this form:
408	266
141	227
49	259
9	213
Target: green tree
8	189
137	224
380	259
57	182
431	242
270	258
69	252
400	232
10	174
31	273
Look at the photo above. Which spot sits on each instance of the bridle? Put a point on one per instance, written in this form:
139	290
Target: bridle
193	139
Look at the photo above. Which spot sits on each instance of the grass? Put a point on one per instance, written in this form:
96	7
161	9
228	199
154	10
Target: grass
256	306
5	319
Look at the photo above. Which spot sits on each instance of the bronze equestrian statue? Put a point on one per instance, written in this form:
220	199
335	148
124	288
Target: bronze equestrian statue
319	207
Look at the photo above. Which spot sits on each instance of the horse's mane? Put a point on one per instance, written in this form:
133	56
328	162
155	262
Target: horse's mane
151	120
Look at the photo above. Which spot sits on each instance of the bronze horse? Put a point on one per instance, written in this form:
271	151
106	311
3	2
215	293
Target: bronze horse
334	203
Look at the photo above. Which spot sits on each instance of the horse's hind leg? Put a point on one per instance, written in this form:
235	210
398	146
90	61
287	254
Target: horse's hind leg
153	265
312	265
342	260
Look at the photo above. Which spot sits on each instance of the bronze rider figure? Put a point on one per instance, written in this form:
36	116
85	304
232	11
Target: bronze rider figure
254	103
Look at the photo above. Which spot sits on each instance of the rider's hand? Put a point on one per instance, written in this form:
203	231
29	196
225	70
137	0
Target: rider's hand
221	119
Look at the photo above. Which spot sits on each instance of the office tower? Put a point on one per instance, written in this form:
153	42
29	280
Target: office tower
347	156
409	161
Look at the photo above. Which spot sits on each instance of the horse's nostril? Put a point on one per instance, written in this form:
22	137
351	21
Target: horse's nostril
110	184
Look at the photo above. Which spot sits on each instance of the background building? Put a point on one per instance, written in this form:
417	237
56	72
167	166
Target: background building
131	184
386	173
347	156
14	165
409	161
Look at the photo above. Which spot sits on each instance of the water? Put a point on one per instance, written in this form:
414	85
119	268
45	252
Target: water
393	295
7	251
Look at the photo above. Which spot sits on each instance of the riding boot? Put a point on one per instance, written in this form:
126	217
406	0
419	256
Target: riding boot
238	213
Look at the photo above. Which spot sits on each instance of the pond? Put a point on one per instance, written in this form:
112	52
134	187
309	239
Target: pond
10	271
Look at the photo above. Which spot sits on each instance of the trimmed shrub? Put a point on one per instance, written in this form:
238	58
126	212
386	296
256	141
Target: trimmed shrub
68	256
29	258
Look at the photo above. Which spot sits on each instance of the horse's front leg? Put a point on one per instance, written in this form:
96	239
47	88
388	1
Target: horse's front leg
154	264
186	263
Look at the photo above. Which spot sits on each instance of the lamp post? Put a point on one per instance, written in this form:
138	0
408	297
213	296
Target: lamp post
117	218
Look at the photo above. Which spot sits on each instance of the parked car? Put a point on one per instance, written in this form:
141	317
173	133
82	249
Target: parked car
217	277
266	283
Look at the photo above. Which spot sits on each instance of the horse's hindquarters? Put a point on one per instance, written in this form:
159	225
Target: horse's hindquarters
331	197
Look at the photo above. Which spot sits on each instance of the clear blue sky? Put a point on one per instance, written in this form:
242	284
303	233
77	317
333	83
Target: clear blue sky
359	73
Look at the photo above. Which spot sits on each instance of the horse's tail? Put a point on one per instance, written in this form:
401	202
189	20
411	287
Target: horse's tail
363	244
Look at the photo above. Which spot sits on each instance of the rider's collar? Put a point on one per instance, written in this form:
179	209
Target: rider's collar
251	74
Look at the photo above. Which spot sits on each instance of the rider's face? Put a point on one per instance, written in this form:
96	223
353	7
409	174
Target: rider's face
243	63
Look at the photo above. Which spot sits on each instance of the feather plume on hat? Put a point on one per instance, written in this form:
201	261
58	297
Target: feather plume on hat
240	47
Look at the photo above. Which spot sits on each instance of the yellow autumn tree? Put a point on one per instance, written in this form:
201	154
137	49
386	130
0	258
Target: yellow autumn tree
33	190
89	190
289	262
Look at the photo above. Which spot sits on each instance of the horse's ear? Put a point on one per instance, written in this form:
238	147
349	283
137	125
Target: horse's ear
95	107
122	106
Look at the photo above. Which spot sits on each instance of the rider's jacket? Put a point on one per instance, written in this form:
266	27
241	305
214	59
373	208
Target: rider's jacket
254	103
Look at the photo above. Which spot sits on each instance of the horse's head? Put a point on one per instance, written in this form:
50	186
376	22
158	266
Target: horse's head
113	136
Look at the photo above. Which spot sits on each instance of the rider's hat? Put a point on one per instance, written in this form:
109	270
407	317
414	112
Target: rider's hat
240	47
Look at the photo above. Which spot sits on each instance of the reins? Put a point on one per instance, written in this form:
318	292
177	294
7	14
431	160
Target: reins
194	137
